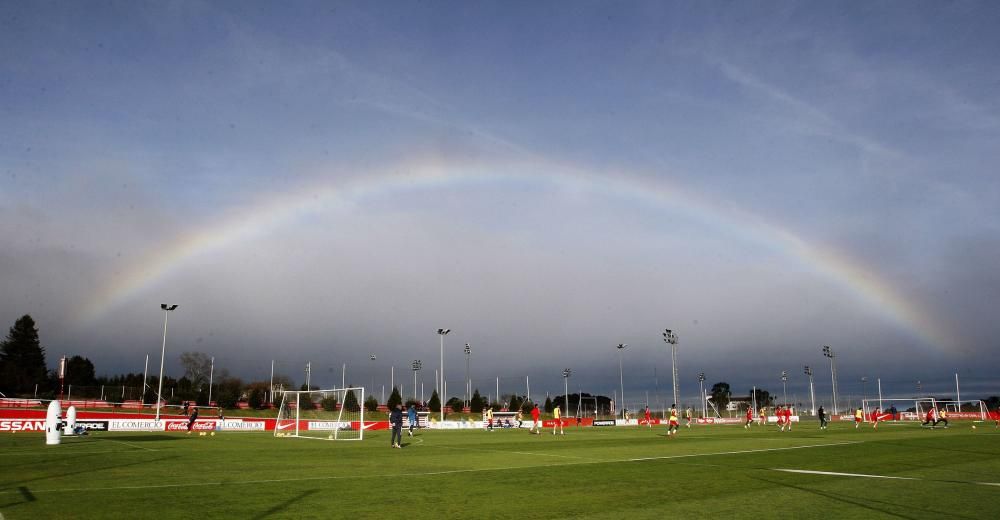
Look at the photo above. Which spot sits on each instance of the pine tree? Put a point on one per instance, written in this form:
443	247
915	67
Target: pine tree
394	398
22	358
351	402
476	404
435	403
548	405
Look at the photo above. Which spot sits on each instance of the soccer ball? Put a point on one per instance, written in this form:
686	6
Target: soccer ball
973	426
213	434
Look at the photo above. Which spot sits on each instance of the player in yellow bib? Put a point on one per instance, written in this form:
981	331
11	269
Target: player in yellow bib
672	424
557	415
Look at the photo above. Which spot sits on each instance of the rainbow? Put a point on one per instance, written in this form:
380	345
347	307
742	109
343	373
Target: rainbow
280	211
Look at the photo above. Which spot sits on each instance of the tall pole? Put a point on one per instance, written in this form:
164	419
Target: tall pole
343	376
701	386
828	352
468	384
527	386
958	394
417	365
442	333
373	358
671	338
308	376
163	351
621	380
880	394
272	381
211	373
498	389
566	373
784	386
812	395
145	370
864	390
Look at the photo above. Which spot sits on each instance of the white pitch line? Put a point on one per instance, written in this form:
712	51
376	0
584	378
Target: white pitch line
836	474
423	474
533	454
865	475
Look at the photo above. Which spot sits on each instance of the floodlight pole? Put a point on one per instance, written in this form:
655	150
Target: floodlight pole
373	358
211	373
271	397
468	382
566	373
417	365
621	380
864	390
784	386
442	333
828	352
142	396
812	395
163	351
701	386
671	338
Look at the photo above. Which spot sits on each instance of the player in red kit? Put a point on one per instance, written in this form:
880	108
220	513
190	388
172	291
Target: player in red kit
649	422
746	425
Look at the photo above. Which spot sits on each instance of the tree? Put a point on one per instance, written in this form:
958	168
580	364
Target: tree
329	403
477	403
229	391
455	404
526	406
371	403
197	367
394	398
435	403
548	405
22	358
720	395
256	398
79	372
762	396
351	402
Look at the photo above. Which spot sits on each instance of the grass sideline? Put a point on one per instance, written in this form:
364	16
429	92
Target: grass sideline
899	471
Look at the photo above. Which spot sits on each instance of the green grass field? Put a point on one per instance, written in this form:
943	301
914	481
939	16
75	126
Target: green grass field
719	471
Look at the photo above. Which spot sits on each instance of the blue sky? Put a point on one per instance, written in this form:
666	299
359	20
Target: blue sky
605	170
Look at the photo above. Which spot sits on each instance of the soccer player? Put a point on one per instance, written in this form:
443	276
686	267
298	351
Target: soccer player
520	419
779	413
536	426
688	416
930	418
672	426
788	417
858	416
746	425
942	417
411	414
649	422
192	419
396	420
556	414
489	419
763	415
875	417
821	413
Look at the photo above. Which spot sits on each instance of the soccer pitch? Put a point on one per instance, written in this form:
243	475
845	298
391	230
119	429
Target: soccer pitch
901	470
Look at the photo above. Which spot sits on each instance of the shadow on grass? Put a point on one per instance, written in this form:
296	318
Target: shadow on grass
25	494
279	507
89	469
869	504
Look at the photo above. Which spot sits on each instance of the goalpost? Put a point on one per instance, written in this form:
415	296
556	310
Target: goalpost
335	414
920	406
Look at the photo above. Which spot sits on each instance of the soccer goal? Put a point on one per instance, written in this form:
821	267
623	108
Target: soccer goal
335	414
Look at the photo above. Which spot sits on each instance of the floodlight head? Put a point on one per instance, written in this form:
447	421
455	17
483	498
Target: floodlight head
373	357
468	349
168	307
443	331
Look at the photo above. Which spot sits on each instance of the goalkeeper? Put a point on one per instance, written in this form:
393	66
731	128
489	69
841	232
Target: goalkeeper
411	414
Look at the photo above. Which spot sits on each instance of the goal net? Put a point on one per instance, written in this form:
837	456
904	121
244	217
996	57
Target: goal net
916	409
334	414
